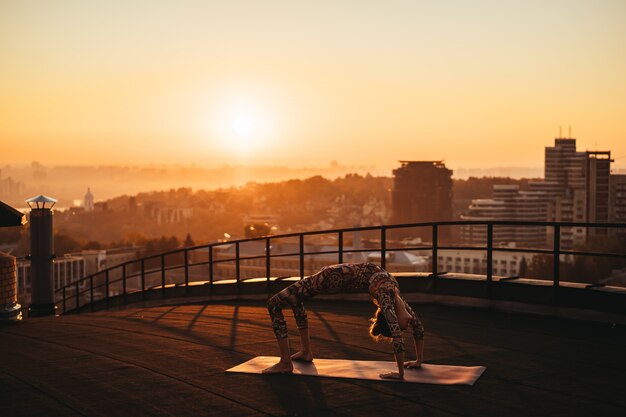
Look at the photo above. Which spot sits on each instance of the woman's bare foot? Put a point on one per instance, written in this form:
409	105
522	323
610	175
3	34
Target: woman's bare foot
302	356
279	368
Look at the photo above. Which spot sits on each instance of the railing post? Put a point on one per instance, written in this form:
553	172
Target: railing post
77	296
211	267
489	253
106	280
556	252
163	276
143	279
435	251
268	248
489	257
124	281
383	247
91	291
340	247
186	260
301	256
237	265
64	310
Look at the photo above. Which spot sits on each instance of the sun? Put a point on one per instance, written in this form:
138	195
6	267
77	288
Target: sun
242	125
244	135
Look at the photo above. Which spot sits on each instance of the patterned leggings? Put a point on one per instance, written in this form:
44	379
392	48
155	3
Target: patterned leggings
287	297
329	280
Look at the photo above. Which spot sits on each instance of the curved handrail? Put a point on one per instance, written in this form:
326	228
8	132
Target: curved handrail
434	247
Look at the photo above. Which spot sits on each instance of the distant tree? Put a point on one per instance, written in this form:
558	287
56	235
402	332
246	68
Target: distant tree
23	244
540	267
523	268
65	244
188	241
163	244
92	245
10	235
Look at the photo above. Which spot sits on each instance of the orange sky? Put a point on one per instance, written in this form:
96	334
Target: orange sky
477	83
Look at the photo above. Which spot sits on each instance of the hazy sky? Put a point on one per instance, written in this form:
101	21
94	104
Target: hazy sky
477	83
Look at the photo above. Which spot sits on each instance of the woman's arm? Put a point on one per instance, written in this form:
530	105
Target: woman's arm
418	338
419	354
386	302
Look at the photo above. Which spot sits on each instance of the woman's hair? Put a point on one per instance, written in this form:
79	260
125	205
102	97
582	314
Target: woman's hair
379	330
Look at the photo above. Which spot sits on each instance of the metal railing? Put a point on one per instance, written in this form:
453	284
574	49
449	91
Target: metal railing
87	291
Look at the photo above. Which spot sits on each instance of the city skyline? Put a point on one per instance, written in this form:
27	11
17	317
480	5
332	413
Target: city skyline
477	84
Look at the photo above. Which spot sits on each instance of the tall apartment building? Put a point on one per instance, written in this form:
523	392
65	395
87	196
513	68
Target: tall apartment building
598	172
587	171
575	189
583	179
422	192
617	201
564	165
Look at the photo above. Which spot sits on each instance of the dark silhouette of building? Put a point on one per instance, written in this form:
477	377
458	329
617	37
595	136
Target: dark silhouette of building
617	201
598	172
422	192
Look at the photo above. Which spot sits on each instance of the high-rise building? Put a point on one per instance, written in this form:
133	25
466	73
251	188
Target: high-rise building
582	189
422	192
598	171
617	201
575	189
564	165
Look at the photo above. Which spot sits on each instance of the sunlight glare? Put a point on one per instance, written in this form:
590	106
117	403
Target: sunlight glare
243	125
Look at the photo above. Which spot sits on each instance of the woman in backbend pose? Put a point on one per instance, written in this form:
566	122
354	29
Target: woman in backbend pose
393	314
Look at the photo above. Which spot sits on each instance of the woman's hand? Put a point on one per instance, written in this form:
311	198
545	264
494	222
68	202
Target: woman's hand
413	364
392	375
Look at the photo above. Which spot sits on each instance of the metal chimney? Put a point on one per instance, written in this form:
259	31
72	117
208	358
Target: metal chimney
41	254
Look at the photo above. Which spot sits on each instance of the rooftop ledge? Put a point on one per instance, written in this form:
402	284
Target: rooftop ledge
523	295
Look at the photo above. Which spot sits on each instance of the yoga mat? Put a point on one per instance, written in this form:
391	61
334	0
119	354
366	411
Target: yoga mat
339	368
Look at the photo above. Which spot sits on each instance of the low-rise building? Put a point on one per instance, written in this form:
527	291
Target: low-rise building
72	267
467	261
65	270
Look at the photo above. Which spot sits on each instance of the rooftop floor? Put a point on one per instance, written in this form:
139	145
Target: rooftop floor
171	361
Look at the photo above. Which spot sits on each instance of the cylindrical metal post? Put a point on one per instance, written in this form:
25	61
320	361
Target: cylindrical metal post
556	256
91	292
435	252
340	248
124	281
163	276
211	267
489	252
106	285
489	259
41	253
237	265
268	248
383	248
186	261
301	256
143	279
